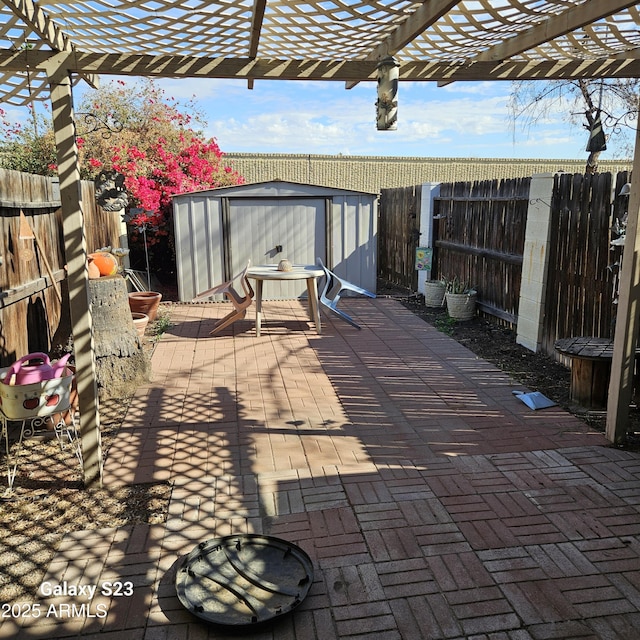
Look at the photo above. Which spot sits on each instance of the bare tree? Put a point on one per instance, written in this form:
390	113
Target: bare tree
607	109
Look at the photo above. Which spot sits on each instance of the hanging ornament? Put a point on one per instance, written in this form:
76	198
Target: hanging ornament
597	139
387	103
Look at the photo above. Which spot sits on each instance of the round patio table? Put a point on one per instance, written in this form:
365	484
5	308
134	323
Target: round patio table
310	273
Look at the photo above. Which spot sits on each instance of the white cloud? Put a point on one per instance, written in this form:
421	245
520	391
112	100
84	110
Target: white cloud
324	118
327	122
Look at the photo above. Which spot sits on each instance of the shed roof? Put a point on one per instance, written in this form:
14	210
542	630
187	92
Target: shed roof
276	189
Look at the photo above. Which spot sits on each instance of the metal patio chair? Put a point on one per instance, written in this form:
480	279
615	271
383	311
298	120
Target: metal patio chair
333	288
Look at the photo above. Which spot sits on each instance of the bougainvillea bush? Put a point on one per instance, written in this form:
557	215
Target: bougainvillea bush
160	152
155	141
153	175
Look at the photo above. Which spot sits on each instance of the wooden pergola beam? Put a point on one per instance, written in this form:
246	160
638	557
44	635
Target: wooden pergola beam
257	18
321	70
625	339
43	26
411	28
77	274
39	22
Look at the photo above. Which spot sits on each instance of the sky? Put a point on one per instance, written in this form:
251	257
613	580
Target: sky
463	119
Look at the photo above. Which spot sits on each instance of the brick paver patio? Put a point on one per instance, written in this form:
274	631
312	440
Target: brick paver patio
434	504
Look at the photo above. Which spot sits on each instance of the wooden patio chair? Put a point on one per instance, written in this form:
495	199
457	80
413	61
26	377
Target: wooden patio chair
240	302
333	288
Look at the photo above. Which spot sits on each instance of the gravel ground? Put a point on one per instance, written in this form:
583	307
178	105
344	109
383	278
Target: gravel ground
49	500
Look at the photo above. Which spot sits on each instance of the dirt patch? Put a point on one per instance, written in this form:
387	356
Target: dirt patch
49	500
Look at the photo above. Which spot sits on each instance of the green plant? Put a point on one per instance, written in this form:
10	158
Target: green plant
457	285
161	323
445	325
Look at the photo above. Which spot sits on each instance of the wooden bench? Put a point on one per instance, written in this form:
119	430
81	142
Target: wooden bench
590	369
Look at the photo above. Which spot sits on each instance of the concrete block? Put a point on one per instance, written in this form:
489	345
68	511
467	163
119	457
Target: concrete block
529	333
535	262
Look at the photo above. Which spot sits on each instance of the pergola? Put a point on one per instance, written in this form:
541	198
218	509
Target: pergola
49	45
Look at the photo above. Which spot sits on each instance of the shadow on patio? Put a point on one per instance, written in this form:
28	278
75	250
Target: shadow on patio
433	503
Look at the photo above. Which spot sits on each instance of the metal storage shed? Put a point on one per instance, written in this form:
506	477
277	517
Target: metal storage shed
218	230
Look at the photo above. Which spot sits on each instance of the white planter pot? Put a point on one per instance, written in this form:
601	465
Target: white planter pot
434	293
461	306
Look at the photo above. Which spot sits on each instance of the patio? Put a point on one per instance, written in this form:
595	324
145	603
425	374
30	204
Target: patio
433	503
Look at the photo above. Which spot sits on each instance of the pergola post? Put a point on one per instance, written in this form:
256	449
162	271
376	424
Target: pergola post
77	273
627	320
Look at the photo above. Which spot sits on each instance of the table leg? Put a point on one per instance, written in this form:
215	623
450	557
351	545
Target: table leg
314	311
258	306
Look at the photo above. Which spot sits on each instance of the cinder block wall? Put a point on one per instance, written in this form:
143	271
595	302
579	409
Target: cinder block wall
371	174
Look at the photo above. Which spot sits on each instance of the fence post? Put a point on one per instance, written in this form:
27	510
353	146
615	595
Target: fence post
626	333
535	263
429	191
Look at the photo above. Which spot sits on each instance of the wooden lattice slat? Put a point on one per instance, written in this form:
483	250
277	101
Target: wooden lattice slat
456	33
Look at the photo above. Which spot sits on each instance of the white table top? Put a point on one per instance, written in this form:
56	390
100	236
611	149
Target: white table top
298	272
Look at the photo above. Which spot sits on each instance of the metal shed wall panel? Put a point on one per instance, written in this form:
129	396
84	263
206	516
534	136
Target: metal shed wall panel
218	230
353	252
199	255
258	226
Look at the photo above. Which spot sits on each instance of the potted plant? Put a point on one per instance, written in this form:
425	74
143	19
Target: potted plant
461	298
434	293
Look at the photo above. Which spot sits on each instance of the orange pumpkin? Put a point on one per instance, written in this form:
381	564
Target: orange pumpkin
107	263
94	272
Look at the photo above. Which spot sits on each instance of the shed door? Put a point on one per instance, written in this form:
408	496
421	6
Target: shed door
258	226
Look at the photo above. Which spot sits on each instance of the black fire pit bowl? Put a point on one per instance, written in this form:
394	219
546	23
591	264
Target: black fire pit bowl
242	581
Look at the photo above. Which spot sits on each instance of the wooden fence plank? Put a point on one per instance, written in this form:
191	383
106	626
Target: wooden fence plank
480	238
581	285
399	233
30	313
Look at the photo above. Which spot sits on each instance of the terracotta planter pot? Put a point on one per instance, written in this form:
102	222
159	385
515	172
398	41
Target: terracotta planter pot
140	322
146	302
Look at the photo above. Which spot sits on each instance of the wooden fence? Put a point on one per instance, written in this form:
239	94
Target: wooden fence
398	235
479	234
582	276
479	237
31	315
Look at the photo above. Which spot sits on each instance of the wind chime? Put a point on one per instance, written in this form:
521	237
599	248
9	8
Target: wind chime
387	103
